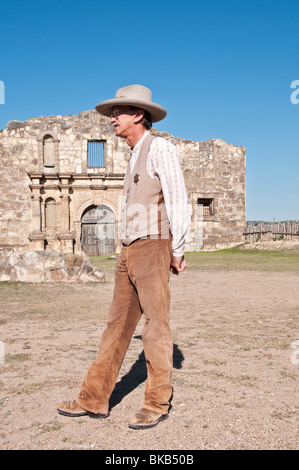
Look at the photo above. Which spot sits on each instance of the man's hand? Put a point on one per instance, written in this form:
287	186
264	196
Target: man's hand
178	264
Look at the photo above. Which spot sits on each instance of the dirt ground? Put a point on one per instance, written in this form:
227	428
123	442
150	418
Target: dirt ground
235	371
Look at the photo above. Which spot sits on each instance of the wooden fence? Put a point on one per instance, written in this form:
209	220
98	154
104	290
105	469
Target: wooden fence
288	230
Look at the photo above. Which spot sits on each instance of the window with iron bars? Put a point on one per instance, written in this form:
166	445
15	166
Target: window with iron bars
207	205
95	153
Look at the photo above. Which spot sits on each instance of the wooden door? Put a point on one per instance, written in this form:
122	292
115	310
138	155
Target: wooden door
98	231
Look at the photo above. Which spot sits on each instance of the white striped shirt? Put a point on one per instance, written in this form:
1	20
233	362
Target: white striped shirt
164	164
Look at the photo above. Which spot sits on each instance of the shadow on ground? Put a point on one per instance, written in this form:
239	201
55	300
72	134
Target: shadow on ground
137	375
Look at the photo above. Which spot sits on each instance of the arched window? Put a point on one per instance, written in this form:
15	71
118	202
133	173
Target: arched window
48	151
50	213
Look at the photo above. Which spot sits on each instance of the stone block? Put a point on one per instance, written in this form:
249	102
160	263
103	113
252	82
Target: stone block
47	266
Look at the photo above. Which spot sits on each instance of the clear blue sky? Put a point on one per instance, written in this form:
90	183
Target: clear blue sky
222	69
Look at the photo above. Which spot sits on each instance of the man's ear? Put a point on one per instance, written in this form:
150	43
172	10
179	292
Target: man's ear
139	114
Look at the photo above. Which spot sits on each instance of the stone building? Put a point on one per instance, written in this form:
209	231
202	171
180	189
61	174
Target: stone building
61	181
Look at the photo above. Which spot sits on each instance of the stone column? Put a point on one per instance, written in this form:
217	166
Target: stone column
65	236
36	237
65	213
36	214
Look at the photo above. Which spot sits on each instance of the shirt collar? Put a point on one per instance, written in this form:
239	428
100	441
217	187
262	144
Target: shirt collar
136	149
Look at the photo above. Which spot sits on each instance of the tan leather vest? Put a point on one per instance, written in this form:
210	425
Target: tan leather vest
144	212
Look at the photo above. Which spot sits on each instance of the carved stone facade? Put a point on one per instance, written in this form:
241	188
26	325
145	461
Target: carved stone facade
61	181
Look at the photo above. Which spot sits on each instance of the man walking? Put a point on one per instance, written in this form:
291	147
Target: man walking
154	223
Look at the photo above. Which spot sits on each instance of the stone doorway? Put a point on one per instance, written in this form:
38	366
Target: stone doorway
98	230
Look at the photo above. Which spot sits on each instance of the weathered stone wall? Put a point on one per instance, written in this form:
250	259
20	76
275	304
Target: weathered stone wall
212	169
26	182
15	202
216	170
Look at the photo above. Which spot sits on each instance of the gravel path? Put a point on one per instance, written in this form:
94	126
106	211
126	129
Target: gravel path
235	372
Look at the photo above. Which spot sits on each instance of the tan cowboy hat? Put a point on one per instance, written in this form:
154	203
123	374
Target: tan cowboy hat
133	95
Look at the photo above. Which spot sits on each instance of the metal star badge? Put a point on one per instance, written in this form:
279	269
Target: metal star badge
136	178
